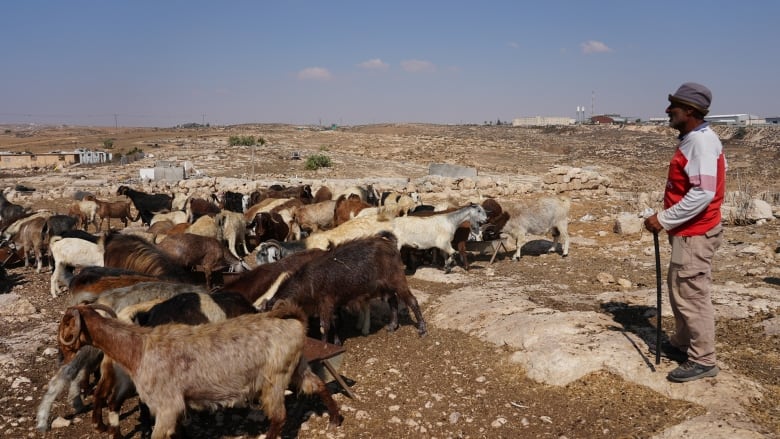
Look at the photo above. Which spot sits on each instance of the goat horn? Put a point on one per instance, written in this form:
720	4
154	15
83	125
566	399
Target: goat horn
76	316
101	307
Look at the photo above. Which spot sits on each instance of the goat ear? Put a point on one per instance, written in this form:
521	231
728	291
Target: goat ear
70	327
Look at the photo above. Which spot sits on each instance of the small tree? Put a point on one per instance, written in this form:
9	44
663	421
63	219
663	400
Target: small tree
108	143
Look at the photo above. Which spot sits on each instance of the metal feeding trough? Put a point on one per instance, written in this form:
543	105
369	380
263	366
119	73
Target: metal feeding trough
324	360
9	254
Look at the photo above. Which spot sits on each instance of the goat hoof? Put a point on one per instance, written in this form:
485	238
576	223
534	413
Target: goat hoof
566	255
336	422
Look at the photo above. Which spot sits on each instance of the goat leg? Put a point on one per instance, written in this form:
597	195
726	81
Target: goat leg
101	395
422	327
392	301
145	419
335	415
309	383
449	263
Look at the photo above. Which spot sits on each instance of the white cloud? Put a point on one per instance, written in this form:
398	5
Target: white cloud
418	66
315	73
374	64
594	47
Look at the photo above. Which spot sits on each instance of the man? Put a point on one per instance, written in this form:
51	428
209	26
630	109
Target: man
691	217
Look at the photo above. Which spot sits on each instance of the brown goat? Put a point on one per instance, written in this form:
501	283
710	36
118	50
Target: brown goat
86	212
347	208
189	308
322	194
302	193
111	209
178	229
350	275
136	254
271	346
91	282
197	207
269	225
496	218
160	227
261	283
190	251
30	238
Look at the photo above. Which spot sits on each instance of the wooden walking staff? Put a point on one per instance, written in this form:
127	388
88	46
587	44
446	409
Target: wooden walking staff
658	302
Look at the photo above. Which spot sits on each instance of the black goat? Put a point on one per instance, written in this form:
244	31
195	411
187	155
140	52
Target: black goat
10	212
232	201
57	224
146	204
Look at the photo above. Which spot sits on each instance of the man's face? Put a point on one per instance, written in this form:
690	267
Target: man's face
678	115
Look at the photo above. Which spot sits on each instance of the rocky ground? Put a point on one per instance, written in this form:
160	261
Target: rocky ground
543	347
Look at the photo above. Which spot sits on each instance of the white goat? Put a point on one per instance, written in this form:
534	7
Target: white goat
72	253
315	217
233	226
265	205
192	360
176	217
437	231
537	218
352	229
206	226
180	201
87	211
400	203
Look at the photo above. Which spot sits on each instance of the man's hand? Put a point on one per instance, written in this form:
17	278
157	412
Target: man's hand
652	224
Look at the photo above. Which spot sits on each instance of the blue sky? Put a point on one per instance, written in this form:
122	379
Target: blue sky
162	63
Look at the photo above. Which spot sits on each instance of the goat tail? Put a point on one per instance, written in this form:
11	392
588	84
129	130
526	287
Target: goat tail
284	309
389	236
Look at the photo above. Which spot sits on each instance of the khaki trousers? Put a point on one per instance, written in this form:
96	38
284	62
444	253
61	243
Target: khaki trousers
690	287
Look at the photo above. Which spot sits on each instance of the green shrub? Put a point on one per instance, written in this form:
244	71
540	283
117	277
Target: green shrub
317	161
108	143
241	140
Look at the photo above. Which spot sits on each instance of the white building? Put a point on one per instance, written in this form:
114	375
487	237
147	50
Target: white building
536	121
735	119
720	119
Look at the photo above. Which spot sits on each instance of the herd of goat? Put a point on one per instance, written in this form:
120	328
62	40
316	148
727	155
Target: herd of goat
149	318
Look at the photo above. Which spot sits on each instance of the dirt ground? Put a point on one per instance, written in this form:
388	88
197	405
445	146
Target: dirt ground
450	383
